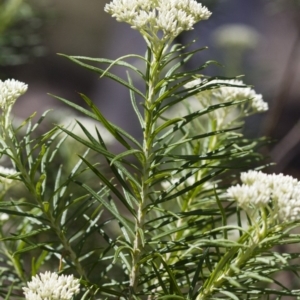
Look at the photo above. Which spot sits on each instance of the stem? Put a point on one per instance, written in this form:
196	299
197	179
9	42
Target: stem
14	259
60	234
138	244
224	268
186	203
32	189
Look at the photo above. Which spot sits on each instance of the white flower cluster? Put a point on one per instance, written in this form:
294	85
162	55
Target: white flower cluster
150	16
10	91
235	91
259	190
50	286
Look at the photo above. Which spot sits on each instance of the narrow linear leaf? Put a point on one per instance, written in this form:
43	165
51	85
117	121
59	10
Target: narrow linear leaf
137	153
134	105
23	214
108	74
26	235
160	280
109	207
118	62
164	196
93	116
104	121
32	247
110	186
172	279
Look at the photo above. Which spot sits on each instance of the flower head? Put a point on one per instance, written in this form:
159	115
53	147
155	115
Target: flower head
218	91
280	192
170	17
50	286
10	91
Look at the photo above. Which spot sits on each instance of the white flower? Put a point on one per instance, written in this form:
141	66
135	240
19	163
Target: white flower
10	91
228	90
254	195
32	296
50	286
281	192
169	16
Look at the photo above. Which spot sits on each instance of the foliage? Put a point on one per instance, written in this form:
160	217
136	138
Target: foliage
153	221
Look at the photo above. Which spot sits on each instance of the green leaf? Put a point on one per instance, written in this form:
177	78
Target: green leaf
94	116
165	196
118	62
197	273
171	297
96	147
36	263
110	186
40	120
229	294
70	216
27	121
40	185
33	247
192	116
107	74
75	106
134	105
137	153
160	279
107	125
37	162
165	125
172	279
195	137
26	235
118	216
24	215
57	147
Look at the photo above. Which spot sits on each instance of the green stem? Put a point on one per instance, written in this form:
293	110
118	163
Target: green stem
188	202
48	213
138	244
224	268
14	259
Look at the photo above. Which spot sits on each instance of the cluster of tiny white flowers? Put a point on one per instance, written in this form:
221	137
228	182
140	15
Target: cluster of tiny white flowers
229	90
50	286
260	189
169	16
10	91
